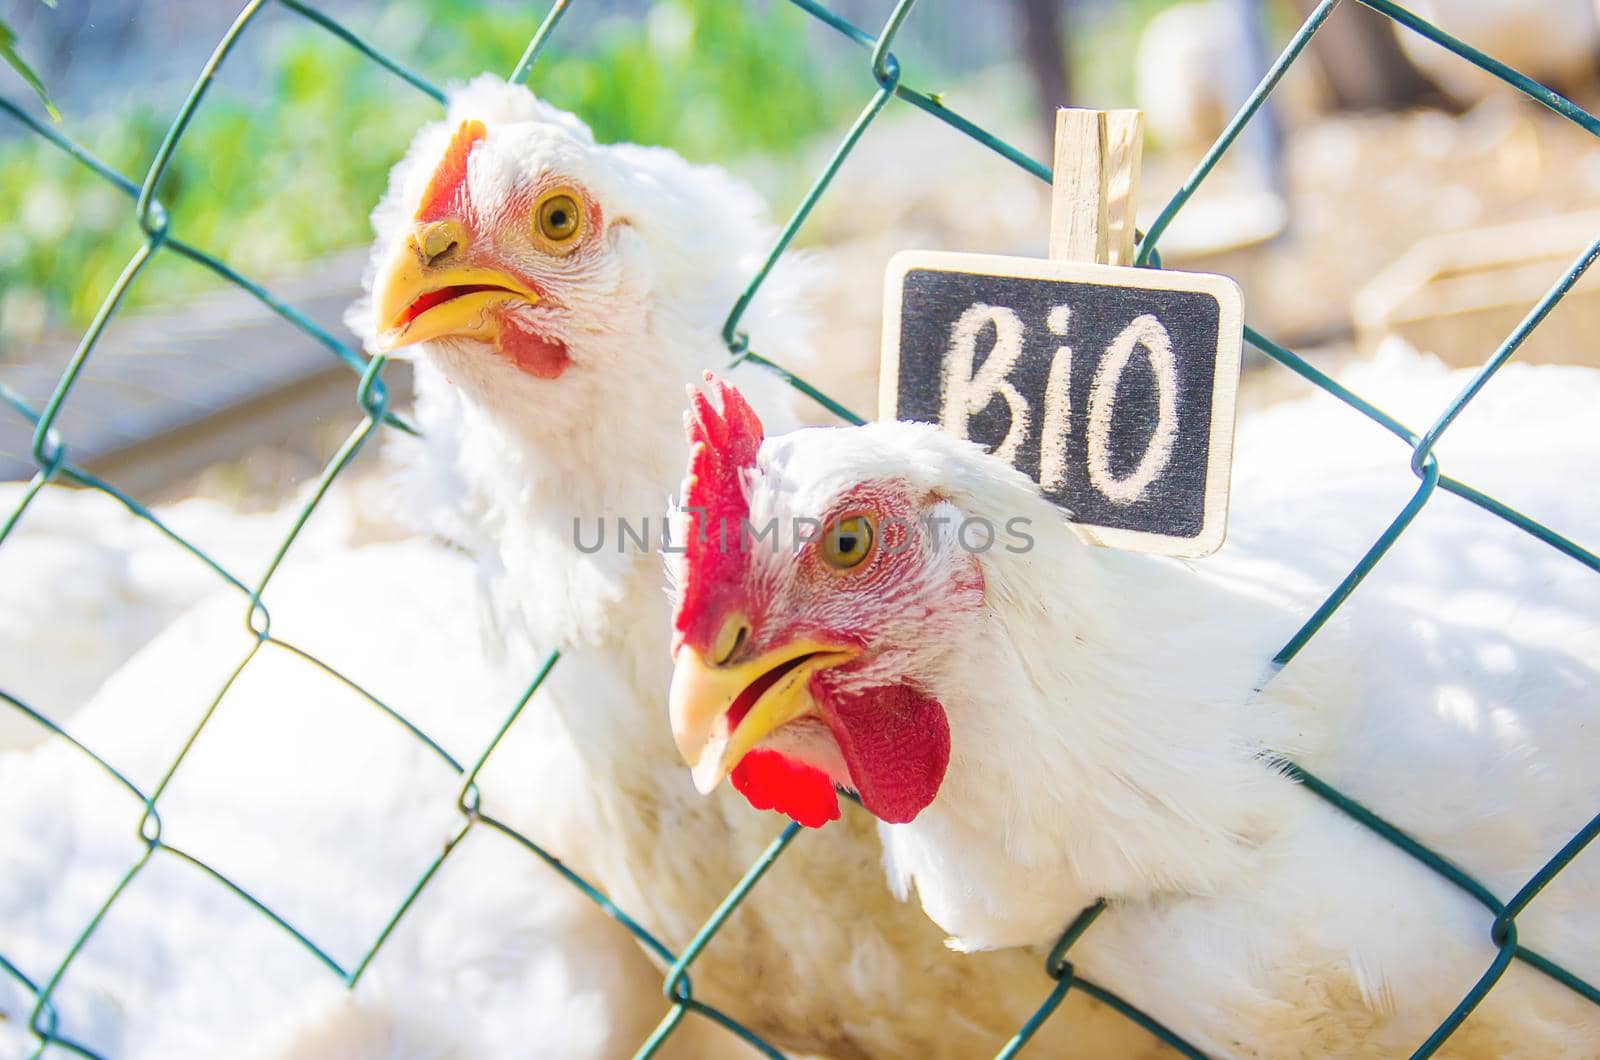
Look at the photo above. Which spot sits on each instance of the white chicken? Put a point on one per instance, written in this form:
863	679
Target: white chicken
1043	725
303	792
566	354
84	583
558	294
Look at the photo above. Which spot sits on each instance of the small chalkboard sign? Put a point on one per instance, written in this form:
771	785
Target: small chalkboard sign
1112	387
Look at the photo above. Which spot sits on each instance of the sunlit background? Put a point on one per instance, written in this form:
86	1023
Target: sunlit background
1365	155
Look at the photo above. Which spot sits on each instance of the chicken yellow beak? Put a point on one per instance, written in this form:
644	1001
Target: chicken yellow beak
426	292
703	692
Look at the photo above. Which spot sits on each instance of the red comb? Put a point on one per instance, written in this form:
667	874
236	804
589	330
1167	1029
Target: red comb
439	199
722	448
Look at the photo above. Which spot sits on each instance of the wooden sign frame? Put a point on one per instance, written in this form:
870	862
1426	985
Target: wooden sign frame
1225	379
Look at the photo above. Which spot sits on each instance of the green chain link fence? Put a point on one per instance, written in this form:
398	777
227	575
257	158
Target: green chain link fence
50	454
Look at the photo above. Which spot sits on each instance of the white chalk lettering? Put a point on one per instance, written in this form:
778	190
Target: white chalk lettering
1057	406
967	392
1147	332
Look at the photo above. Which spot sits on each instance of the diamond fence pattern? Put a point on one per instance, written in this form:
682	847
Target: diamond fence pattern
1057	977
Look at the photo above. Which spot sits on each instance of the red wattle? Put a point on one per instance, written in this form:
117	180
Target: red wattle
770	781
896	745
530	351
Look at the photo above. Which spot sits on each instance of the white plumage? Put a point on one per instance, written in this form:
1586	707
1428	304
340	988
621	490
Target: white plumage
305	794
1107	742
84	583
822	959
327	811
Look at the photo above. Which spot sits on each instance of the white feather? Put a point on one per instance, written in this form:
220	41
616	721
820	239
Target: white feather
1108	741
84	583
329	812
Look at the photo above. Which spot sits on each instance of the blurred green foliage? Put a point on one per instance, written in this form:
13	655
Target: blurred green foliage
289	169
13	58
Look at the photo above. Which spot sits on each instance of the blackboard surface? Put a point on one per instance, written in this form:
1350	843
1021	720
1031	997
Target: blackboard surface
1111	387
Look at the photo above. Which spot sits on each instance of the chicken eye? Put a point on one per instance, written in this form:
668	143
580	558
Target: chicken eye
849	542
558	218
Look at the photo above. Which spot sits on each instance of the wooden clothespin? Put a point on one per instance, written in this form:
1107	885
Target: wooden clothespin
1095	190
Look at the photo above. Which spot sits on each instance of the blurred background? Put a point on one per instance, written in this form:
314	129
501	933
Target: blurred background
1388	189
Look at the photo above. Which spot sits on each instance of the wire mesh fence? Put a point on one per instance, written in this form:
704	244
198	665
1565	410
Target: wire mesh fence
883	81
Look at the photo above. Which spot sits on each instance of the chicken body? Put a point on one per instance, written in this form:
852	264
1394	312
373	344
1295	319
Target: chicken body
1107	739
304	793
1243	910
560	409
822	958
84	583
